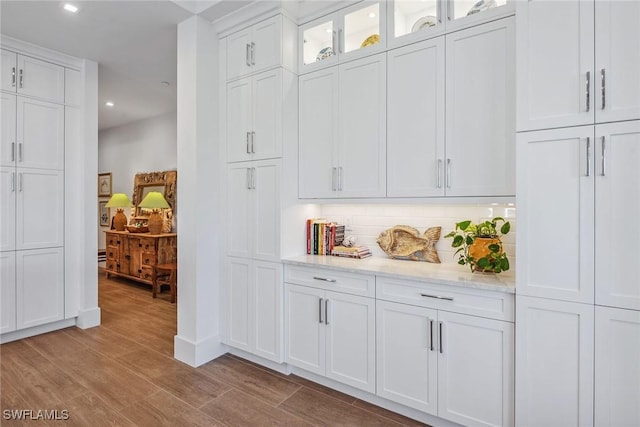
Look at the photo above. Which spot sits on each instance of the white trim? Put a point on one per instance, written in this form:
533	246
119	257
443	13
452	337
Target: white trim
246	17
196	354
42	53
36	330
88	318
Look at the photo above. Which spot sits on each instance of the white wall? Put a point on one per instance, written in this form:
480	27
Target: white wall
143	146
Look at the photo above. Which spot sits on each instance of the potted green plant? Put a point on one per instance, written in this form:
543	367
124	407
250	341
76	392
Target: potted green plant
480	245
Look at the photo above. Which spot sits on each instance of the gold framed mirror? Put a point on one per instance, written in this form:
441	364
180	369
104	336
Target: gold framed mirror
164	182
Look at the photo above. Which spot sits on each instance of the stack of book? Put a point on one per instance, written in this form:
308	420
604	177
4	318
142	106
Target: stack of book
351	252
323	236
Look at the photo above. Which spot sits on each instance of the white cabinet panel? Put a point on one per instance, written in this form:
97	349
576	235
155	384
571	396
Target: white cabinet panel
475	370
268	301
73	88
239	110
40	134
239	53
304	330
617	212
350	340
415	120
40	286
267	43
239	303
41	79
9	64
556	82
266	91
8	192
407	357
8	143
555	169
7	291
239	210
40	209
554	354
480	106
617	371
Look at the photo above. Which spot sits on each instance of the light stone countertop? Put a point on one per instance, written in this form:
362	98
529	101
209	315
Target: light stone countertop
442	274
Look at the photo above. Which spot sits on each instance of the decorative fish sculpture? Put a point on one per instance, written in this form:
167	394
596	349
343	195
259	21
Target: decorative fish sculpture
403	241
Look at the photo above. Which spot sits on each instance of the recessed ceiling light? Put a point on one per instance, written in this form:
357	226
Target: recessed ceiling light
372	15
70	8
109	104
328	30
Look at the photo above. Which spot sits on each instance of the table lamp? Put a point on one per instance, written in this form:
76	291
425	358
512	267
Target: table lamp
154	200
119	201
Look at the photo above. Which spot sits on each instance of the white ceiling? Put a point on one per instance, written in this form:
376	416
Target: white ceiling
134	43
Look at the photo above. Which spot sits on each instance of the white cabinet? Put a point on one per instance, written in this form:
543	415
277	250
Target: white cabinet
254	307
264	45
253	219
452	365
351	163
555	169
350	33
32	77
555	361
331	334
480	110
617	208
566	80
7	291
40	287
617	371
255	115
8	143
416	119
40	134
8	192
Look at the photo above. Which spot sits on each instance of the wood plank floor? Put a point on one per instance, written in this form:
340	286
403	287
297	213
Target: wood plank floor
122	373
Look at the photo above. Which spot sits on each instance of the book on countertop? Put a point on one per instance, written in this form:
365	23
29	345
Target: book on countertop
323	236
351	252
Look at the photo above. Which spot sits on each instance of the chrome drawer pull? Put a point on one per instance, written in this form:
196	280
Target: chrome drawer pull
437	297
324	279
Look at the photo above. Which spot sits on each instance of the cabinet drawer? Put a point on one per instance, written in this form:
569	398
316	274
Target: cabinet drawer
113	252
493	305
146	273
350	283
147	245
149	258
113	240
111	265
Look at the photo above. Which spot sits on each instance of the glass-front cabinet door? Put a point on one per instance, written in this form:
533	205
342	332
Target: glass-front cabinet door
463	13
411	20
350	33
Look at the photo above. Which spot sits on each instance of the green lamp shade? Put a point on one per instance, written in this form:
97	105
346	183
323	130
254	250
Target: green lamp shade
154	200
119	200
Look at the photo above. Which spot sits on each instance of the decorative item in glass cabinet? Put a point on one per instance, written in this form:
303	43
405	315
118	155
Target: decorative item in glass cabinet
481	6
324	53
371	40
424	22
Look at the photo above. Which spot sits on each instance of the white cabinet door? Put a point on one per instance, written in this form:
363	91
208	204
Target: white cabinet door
7	291
239	210
268	310
267	44
475	370
617	371
415	120
39	209
362	126
266	137
554	363
73	88
480	129
556	198
8	62
239	112
318	133
8	147
265	213
407	358
8	192
556	82
40	286
240	307
239	54
40	134
40	79
351	340
617	189
617	61
304	330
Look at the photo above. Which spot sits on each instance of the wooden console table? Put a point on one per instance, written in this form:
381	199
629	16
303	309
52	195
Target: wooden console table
135	255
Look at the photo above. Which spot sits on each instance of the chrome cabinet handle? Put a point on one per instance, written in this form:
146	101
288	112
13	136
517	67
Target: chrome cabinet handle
247	55
13	151
333	178
248	150
439	11
430	335
20	182
340	41
21	78
603	173
588	156
437	297
253	178
20	152
448	177
441	337
602	85
320	310
13	182
253	53
334	42
588	89
326	312
253	138
248	178
13	77
324	279
438	173
449	10
339	178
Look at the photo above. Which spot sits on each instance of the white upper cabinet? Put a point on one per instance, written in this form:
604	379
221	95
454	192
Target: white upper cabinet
617	207
264	45
617	61
480	110
40	134
9	63
555	198
32	77
350	33
416	120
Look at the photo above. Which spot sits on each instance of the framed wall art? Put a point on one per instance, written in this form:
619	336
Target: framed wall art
104	184
103	213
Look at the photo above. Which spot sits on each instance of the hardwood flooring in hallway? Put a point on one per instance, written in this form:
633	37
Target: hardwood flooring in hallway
122	374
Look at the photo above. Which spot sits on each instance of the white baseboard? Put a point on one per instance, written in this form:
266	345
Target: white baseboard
196	354
36	330
283	368
88	318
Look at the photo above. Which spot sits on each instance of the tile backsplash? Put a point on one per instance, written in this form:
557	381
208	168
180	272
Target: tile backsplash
367	221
